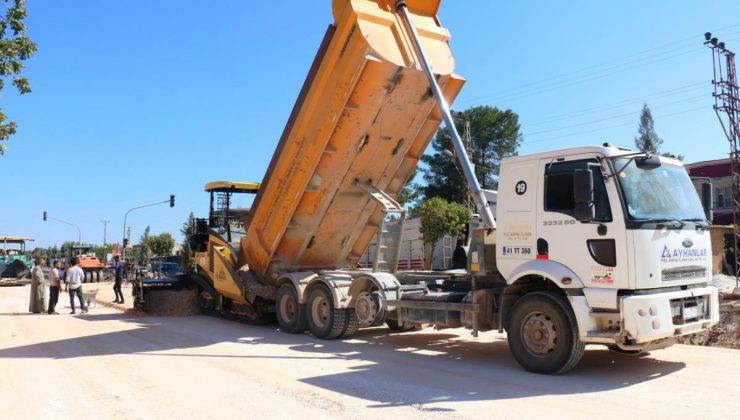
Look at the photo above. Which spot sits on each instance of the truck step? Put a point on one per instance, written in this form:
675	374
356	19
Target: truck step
608	315
600	334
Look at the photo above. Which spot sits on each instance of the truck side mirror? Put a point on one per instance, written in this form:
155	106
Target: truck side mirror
706	200
583	195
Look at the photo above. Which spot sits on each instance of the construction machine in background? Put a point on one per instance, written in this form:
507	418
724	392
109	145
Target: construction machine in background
591	245
16	251
91	265
14	261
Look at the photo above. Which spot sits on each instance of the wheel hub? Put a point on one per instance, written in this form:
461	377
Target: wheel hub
366	309
539	334
287	308
320	311
205	300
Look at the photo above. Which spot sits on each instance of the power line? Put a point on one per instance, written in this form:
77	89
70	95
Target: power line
610	127
619	104
582	75
568	83
632	113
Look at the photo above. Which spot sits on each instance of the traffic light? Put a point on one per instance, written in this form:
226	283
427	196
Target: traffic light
172	201
44	216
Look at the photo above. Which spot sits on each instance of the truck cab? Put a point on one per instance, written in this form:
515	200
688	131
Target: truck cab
622	234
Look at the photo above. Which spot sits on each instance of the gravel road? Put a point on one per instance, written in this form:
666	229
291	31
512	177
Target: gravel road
111	364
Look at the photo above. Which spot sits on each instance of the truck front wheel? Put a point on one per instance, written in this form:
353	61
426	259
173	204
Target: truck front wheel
543	334
291	315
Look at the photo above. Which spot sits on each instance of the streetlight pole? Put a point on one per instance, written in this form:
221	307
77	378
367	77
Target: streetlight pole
171	200
79	232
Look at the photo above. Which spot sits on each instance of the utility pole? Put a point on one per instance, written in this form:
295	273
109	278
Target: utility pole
727	101
105	232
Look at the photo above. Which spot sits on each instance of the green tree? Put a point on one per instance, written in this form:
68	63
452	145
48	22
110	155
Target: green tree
494	134
647	139
186	253
39	252
440	217
102	251
15	48
67	249
411	192
145	253
162	244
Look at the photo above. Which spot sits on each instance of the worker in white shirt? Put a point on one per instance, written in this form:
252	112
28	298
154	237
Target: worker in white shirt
74	284
54	286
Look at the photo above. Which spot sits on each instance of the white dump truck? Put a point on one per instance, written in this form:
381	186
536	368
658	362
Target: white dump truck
593	245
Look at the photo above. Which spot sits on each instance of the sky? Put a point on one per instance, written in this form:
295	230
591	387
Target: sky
134	101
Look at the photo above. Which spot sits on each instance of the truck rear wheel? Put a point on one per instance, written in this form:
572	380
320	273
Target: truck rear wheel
543	334
352	323
291	315
324	320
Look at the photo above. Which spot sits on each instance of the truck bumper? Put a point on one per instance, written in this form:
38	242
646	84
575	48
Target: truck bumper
663	315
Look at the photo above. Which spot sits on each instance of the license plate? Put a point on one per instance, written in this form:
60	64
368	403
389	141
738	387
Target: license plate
691	312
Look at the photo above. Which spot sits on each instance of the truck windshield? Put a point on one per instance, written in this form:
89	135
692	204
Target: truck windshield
663	193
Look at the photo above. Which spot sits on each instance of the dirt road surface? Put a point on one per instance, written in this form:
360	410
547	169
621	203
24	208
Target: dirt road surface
110	364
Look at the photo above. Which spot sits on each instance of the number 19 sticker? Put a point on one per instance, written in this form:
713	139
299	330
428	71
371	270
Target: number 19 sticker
520	188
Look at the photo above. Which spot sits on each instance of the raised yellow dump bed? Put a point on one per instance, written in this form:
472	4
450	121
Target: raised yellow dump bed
365	114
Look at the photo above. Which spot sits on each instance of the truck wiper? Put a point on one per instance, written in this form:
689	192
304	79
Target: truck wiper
661	220
699	221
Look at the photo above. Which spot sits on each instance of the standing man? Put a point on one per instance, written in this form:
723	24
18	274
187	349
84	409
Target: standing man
118	267
65	271
38	288
74	284
54	286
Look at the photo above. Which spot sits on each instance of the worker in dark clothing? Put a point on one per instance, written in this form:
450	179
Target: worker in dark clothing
118	267
459	256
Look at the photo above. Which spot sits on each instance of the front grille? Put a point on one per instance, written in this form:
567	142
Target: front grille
684	273
689	309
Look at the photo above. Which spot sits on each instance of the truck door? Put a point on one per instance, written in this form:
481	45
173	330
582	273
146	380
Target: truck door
591	250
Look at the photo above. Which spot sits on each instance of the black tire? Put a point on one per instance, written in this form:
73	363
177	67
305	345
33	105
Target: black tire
291	315
203	303
352	324
543	334
393	324
87	277
325	321
98	276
